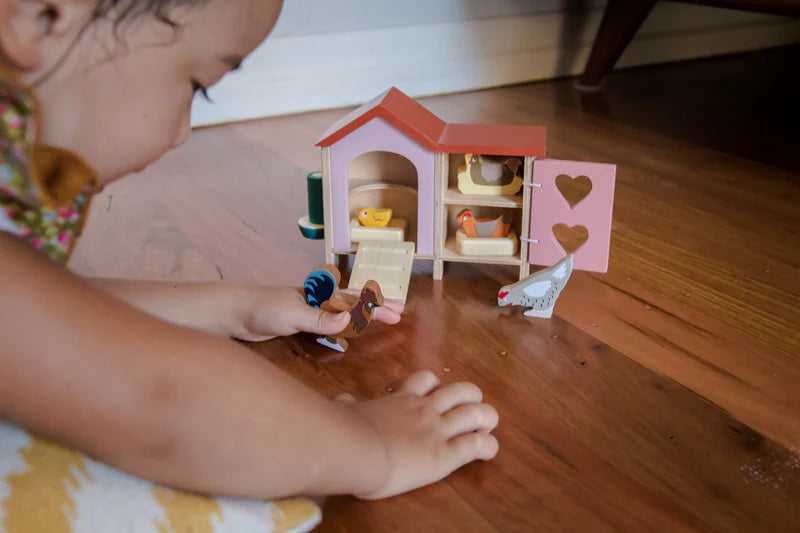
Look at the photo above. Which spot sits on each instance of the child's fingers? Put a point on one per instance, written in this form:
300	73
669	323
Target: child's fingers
468	418
456	394
420	383
384	314
388	313
395	307
323	322
469	447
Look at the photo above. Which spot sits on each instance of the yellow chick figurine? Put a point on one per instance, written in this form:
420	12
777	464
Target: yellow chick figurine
374	217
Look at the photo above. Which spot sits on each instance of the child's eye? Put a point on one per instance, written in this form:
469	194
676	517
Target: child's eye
197	88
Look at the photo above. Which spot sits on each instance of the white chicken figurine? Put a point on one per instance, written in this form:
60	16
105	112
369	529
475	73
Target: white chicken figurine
538	291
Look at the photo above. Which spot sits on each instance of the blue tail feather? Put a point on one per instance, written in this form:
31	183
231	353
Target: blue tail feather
319	287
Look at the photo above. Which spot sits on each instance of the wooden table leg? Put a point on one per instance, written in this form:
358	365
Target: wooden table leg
621	20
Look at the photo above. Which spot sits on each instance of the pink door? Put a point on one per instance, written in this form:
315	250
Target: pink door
571	202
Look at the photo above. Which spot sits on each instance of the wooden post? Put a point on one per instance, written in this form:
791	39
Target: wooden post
440	179
327	203
524	267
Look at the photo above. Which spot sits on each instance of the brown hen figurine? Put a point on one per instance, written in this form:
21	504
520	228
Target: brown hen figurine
484	227
361	312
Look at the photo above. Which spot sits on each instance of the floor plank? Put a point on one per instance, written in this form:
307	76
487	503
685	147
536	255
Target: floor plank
603	423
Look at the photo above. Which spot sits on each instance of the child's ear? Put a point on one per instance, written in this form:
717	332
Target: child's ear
25	24
21	32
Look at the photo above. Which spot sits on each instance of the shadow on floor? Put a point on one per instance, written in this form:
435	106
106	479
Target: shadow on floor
756	90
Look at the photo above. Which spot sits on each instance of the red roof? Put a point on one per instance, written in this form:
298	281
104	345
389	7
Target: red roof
407	115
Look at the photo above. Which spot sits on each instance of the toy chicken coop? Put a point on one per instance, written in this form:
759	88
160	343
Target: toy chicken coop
393	172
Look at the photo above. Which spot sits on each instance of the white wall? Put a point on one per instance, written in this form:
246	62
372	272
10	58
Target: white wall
309	17
327	53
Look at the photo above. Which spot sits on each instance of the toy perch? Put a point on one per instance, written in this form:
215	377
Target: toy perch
539	291
320	289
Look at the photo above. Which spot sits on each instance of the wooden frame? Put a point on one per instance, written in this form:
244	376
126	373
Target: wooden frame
326	203
527	185
440	212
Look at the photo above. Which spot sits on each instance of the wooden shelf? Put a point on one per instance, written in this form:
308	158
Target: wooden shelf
354	248
449	253
453	196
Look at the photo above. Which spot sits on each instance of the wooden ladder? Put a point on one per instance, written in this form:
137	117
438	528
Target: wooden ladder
388	263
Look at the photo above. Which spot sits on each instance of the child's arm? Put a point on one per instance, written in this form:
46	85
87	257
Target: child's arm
249	313
196	411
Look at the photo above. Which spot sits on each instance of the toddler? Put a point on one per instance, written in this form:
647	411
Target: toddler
144	376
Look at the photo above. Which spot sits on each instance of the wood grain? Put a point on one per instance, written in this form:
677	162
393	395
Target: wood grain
662	396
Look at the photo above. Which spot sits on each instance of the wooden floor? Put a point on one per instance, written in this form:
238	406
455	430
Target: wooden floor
663	395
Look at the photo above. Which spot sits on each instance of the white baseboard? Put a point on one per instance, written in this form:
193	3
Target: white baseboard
304	73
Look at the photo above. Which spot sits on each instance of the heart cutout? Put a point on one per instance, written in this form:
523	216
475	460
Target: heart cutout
570	237
574	190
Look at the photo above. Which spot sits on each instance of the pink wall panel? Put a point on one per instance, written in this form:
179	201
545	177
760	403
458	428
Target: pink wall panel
379	135
549	207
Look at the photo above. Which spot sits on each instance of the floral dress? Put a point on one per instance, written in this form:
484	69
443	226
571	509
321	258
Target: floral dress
44	191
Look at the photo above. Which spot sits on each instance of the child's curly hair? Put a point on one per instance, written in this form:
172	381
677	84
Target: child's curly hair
120	11
125	10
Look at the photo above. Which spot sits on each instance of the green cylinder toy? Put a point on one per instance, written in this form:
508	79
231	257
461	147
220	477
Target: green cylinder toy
315	214
312	226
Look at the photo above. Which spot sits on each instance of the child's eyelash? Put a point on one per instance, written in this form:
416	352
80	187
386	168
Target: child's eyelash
203	91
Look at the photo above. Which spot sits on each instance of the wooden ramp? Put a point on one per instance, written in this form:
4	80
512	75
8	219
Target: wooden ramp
388	263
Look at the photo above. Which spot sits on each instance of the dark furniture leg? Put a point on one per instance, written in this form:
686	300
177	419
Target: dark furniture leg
621	20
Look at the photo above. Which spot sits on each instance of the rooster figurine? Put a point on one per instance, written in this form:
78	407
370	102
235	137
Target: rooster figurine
320	290
360	314
484	227
539	291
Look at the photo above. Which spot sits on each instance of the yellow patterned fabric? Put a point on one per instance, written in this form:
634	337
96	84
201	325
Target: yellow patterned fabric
45	487
44	191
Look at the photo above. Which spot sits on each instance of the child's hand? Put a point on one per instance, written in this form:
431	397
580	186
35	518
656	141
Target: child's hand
428	432
278	311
